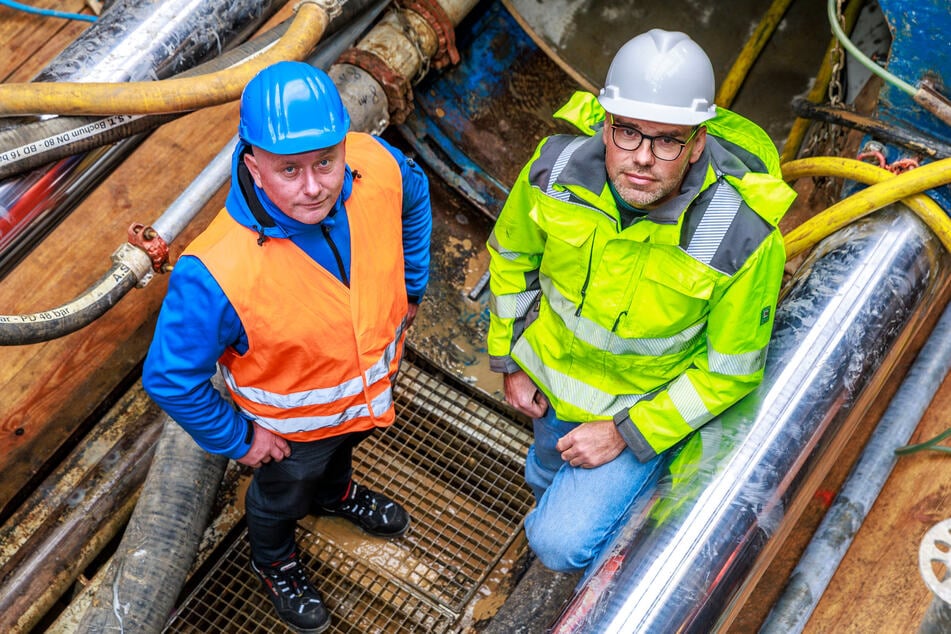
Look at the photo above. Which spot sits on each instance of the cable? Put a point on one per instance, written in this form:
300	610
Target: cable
862	58
48	12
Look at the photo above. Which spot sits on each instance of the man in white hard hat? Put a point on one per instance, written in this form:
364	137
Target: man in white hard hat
635	271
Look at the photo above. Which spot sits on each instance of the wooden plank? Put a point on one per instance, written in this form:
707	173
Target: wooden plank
877	588
31	41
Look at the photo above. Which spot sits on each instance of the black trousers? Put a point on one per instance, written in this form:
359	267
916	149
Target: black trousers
315	474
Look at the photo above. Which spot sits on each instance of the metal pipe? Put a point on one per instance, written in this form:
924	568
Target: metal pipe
838	528
380	70
133	266
135	40
55	542
684	563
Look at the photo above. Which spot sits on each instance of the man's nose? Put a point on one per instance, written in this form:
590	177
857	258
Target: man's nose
644	155
312	183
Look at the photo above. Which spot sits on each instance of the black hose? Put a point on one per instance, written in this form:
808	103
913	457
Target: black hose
147	572
18	330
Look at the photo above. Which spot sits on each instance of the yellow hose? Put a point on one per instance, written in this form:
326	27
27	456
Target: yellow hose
166	96
884	188
751	50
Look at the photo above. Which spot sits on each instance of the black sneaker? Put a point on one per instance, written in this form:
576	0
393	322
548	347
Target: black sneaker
373	512
295	600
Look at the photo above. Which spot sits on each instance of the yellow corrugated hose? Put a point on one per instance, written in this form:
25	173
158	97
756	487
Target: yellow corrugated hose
884	188
169	95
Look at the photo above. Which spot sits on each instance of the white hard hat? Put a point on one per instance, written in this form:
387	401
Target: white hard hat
661	76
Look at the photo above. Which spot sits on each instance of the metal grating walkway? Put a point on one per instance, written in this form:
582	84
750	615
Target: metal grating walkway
454	460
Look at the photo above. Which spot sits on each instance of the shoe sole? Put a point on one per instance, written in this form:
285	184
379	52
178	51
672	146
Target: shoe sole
326	513
318	630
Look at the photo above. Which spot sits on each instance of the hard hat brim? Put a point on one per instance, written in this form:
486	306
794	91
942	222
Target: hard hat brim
701	111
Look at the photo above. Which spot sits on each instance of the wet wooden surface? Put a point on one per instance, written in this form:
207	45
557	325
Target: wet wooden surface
54	391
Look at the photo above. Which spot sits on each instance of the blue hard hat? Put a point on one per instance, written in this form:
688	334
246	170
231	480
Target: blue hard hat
292	107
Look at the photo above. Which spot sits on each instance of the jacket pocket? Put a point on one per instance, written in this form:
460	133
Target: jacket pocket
671	297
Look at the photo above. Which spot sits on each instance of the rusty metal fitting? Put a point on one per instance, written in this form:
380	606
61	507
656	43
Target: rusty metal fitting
399	92
437	19
148	240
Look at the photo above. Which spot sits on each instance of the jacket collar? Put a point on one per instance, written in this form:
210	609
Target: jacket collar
284	226
585	169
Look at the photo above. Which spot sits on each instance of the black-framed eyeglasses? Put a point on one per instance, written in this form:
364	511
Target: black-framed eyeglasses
664	147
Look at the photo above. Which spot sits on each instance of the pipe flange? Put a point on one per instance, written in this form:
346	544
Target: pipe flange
332	8
398	91
437	18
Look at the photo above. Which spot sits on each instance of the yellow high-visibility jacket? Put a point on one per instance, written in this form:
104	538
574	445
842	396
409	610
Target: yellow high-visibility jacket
660	325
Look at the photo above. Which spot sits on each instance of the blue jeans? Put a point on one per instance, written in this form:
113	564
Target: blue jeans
578	510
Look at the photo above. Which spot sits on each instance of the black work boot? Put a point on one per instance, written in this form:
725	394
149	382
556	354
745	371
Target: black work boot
373	512
295	600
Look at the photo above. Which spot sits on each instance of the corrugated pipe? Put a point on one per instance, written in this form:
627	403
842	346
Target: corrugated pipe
687	561
149	568
135	264
818	563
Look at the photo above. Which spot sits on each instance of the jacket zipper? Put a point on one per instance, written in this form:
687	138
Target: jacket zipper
333	247
587	278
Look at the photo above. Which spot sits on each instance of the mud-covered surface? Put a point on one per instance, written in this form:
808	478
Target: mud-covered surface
583	35
452	322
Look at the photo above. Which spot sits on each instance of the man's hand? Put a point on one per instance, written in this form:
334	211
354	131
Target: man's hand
522	394
411	311
591	444
265	447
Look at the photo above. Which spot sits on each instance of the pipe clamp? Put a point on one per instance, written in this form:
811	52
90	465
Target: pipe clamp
332	8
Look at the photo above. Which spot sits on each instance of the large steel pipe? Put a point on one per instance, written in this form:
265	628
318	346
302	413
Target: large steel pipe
684	562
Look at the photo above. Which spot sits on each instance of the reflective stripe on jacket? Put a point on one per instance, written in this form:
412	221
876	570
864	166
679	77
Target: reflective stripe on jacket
659	326
321	356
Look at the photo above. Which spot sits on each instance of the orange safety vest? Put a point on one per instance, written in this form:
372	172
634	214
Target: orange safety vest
321	357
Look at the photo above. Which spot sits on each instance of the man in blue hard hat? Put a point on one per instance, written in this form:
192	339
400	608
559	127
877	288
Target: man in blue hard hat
300	292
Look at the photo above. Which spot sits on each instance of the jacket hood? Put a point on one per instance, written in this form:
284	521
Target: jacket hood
284	226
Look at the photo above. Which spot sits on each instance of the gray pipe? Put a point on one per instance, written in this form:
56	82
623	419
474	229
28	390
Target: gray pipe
852	504
159	544
683	563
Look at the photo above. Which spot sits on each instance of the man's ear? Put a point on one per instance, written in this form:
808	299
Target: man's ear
251	162
700	141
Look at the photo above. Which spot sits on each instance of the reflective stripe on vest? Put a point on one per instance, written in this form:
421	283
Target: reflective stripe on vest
569	389
379	371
